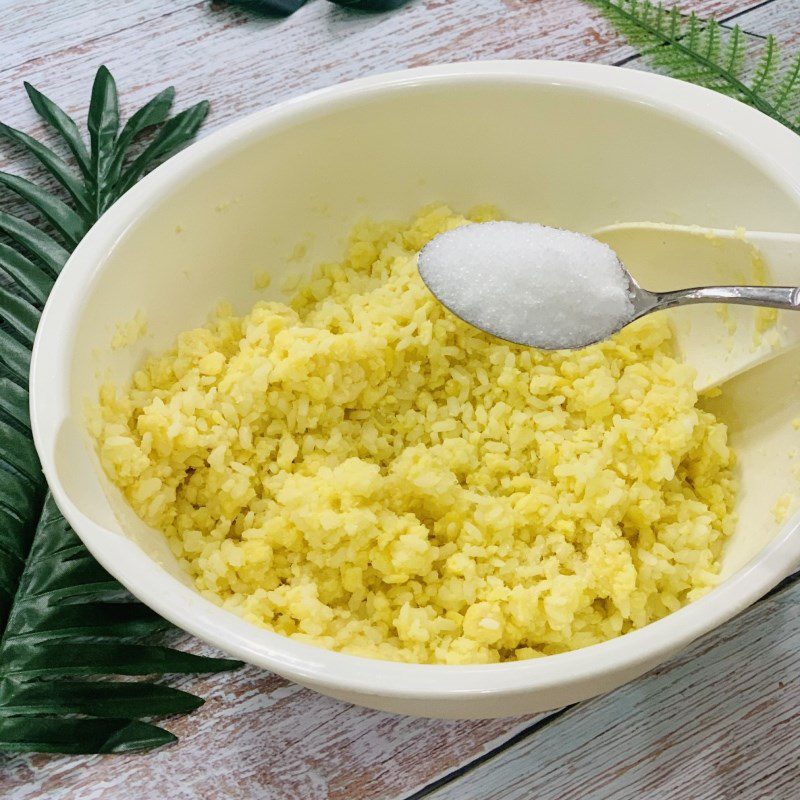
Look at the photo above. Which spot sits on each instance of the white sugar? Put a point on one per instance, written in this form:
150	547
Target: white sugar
529	283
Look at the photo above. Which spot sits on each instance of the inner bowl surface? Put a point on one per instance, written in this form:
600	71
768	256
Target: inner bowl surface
571	145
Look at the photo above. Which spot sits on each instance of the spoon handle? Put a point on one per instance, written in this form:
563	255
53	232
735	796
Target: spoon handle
787	297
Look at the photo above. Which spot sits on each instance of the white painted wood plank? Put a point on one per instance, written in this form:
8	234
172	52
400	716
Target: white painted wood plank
719	721
32	29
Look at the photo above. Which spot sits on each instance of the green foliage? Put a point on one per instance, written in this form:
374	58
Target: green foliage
269	8
370	5
61	614
703	52
284	8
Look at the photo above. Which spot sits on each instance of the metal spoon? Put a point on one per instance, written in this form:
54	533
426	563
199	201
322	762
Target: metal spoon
646	302
702	253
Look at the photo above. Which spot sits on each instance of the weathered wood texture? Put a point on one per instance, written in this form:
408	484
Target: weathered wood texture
782	19
243	62
258	736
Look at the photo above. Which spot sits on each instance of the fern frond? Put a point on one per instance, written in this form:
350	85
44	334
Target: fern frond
674	22
787	93
713	41
693	34
734	52
695	49
766	67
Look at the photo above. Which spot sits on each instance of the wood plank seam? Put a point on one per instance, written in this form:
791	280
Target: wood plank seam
467	767
637	754
750	10
512	741
540	724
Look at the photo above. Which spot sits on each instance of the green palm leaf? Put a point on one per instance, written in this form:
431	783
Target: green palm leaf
67	626
110	699
18	318
696	50
152	113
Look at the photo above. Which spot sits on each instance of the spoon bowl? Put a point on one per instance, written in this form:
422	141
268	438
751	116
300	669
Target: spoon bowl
530	284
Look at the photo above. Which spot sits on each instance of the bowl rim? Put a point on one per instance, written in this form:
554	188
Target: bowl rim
739	125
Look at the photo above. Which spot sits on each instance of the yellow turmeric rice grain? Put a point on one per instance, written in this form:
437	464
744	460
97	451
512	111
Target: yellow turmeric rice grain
361	470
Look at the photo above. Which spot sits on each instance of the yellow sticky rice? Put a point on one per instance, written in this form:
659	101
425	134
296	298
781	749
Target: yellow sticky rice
361	470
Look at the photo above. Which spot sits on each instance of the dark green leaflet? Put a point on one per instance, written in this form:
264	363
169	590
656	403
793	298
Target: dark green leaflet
55	165
103	124
70	225
270	8
370	5
154	112
170	135
47	734
61	614
283	8
34	281
43	248
700	51
63	125
107	699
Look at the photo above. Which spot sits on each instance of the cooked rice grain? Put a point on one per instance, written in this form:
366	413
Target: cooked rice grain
361	470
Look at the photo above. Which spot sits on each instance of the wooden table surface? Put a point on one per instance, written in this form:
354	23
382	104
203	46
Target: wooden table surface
719	721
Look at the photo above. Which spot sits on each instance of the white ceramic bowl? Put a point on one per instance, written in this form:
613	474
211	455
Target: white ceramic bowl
568	144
